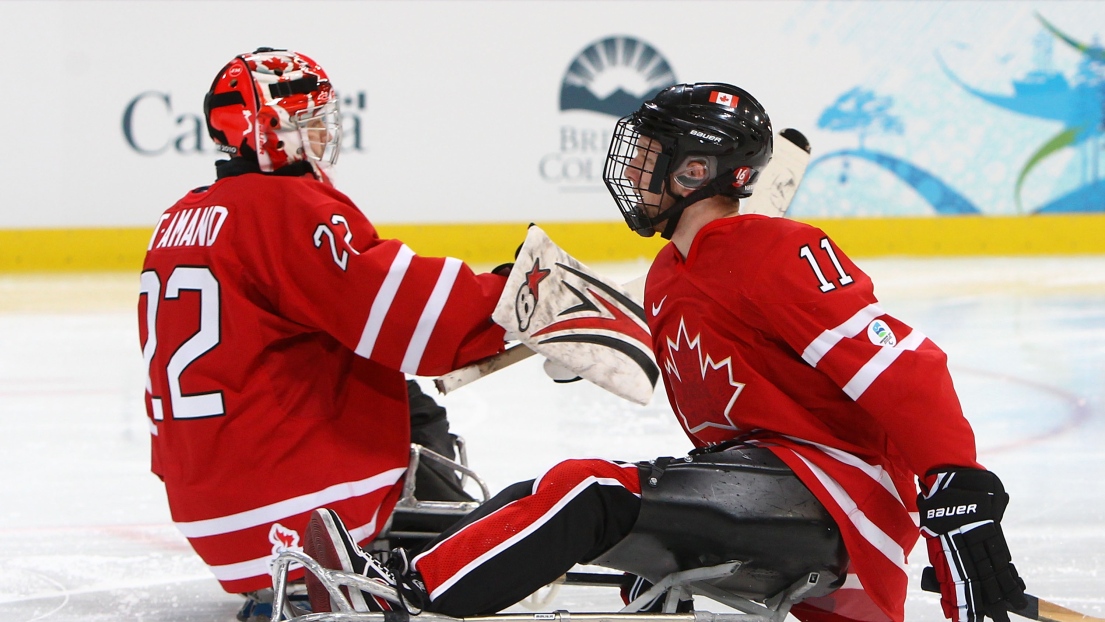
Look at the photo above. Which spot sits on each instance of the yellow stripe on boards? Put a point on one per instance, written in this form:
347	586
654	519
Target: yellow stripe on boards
486	243
950	236
73	250
122	249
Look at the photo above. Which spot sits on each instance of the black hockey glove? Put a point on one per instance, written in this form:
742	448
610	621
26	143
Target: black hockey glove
961	519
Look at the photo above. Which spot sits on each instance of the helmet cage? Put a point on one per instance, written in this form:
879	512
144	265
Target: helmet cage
633	155
708	148
320	133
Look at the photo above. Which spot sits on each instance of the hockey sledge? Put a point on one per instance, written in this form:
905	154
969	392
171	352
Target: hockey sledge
736	527
414	522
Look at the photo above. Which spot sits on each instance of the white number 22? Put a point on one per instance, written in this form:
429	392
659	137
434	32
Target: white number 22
184	278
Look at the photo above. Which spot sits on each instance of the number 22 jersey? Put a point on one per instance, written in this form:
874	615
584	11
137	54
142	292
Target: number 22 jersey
277	326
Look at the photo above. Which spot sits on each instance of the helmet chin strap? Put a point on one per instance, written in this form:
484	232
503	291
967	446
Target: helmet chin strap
673	213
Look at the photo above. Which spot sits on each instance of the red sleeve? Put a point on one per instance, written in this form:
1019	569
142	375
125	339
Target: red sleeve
420	315
824	307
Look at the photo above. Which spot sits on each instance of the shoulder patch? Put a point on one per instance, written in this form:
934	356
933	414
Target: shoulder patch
880	334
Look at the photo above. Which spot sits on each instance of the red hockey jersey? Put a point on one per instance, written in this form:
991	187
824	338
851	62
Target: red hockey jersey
767	330
276	327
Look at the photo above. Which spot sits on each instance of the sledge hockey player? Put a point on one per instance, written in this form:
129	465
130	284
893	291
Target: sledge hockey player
773	349
277	327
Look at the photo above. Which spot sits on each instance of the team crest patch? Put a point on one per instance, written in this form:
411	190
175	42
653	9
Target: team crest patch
880	334
283	539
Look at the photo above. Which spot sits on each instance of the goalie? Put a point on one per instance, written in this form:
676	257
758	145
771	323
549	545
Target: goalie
277	326
770	340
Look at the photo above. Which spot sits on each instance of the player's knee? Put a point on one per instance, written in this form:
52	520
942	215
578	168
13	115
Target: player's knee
570	474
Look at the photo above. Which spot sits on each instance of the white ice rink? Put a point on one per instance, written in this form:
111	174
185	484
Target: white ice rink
85	532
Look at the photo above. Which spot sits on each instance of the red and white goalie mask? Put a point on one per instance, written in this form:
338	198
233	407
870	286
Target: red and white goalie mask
277	106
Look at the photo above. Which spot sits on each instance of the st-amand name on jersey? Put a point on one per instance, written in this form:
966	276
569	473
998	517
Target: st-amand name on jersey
198	226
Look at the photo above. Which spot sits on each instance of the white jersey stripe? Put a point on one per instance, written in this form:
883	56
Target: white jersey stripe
243	570
365	530
289	507
873	368
824	342
868	529
262	566
430	314
873	471
382	303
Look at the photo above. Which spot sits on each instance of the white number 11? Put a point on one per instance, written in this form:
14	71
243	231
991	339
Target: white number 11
825	284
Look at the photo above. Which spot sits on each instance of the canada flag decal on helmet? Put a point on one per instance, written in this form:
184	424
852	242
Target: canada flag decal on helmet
725	99
741	176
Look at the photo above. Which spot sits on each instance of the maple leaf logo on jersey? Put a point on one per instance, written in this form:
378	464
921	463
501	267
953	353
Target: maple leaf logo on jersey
283	539
700	384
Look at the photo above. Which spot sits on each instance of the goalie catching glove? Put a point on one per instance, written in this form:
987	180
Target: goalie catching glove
961	519
586	325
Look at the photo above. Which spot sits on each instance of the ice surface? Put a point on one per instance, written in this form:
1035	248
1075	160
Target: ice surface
85	532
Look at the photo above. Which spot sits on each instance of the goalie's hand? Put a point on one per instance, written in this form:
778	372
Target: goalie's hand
961	519
559	373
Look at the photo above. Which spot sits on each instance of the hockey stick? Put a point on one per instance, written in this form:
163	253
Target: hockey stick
473	372
778	183
1037	608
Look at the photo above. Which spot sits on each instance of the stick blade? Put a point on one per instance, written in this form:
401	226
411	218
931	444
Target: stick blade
781	177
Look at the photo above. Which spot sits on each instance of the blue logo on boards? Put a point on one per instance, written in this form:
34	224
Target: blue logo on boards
1074	104
615	76
611	77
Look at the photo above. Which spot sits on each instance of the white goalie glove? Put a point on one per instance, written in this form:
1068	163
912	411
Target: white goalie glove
559	373
586	325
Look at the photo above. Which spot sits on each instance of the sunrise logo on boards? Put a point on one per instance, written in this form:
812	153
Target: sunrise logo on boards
608	79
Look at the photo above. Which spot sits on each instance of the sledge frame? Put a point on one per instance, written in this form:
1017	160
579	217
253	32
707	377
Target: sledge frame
680	585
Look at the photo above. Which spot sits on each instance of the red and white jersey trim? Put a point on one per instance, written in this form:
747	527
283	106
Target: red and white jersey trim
824	342
873	471
873	368
382	303
430	314
871	532
243	570
289	507
876	365
263	565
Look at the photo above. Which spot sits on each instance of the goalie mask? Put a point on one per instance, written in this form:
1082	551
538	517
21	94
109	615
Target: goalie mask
706	138
277	107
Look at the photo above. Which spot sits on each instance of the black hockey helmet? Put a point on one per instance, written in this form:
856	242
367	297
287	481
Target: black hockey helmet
711	138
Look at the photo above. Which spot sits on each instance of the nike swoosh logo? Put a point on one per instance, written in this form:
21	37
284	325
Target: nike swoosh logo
656	307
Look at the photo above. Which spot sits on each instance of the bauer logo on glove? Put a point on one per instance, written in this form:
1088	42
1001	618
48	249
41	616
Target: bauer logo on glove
951	511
